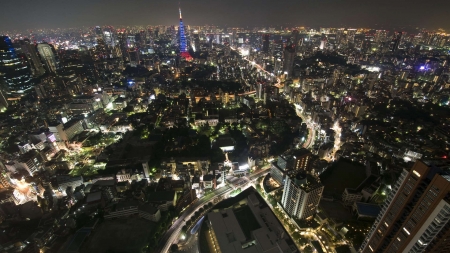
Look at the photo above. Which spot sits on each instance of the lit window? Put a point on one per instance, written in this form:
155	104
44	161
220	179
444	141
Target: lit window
371	248
385	223
406	230
416	173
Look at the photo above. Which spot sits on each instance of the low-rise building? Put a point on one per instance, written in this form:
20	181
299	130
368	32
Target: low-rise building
248	228
350	196
149	212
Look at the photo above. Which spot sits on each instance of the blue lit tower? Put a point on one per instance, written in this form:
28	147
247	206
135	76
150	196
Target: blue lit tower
183	46
15	74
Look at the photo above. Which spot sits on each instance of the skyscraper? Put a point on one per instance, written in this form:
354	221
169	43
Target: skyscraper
15	73
295	37
48	57
29	49
396	41
266	43
301	195
416	214
288	64
183	45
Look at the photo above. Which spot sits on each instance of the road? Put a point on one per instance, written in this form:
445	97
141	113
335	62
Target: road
312	132
278	84
172	234
190	246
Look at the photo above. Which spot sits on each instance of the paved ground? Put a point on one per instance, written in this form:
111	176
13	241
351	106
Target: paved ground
190	246
117	235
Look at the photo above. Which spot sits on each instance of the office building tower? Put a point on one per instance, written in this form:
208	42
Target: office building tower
134	57
301	159
98	31
29	49
266	43
301	195
109	40
396	41
196	45
288	64
101	49
415	217
295	37
15	75
48	57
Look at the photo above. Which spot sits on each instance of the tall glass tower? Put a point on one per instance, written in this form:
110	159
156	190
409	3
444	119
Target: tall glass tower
183	45
15	73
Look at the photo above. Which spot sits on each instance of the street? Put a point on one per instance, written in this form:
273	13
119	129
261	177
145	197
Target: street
172	235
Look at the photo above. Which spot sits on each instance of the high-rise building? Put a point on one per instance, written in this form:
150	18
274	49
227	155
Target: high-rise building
101	49
15	74
266	43
134	57
396	41
98	31
416	214
48	57
301	195
29	49
295	37
301	159
288	64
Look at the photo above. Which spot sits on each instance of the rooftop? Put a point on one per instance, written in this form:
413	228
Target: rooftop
148	209
367	209
161	196
93	197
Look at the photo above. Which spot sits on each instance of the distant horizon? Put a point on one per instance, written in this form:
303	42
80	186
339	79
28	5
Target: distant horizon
23	15
408	28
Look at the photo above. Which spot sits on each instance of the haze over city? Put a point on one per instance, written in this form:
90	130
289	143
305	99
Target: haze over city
382	14
224	126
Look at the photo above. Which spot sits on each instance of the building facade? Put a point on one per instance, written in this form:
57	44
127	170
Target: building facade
301	195
416	214
14	72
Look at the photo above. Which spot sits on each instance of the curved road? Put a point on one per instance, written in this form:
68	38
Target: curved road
312	132
172	234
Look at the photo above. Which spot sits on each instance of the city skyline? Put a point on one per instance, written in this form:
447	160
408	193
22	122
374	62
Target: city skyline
278	126
380	15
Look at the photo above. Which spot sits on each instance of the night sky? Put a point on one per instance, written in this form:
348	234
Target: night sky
35	14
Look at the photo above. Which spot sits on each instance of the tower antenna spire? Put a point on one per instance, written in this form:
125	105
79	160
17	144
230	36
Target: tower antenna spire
179	8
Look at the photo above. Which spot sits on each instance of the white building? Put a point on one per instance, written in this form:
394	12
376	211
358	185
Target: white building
301	195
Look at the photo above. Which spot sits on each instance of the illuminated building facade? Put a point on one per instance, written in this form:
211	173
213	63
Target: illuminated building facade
416	214
301	196
48	57
183	45
14	71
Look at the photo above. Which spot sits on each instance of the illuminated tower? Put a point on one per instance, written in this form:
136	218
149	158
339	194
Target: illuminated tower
183	46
